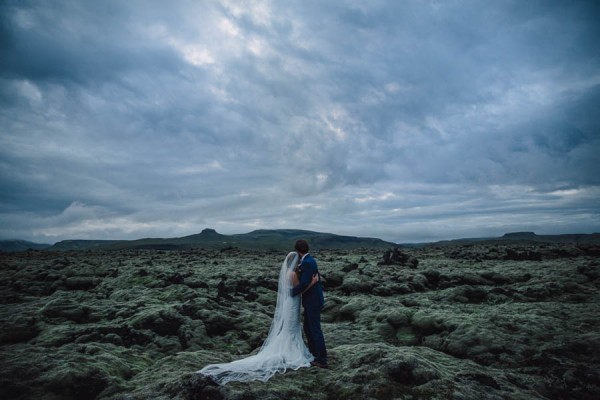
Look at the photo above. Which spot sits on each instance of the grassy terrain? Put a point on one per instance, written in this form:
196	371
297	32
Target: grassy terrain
490	321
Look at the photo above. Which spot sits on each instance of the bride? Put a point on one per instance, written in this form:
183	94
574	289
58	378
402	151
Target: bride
283	349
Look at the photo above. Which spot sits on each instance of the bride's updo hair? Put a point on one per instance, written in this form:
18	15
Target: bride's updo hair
301	246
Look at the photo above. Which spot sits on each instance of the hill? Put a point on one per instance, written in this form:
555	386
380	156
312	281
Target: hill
283	239
20	245
263	239
83	244
574	239
524	237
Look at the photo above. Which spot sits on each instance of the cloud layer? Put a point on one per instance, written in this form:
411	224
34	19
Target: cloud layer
409	121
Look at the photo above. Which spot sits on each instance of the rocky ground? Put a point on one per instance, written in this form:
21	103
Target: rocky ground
462	322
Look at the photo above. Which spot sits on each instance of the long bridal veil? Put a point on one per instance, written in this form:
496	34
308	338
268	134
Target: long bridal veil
283	349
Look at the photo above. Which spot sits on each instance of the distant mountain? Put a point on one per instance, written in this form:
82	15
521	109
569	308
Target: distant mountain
20	245
263	239
283	239
574	238
526	237
83	244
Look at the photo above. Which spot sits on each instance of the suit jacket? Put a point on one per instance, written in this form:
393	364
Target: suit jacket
314	295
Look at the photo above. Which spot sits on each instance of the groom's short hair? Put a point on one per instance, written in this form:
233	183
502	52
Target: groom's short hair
301	246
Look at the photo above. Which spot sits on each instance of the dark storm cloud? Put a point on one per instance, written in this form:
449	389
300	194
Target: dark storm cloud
404	120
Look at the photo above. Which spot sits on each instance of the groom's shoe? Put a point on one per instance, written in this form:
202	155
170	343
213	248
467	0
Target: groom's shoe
318	364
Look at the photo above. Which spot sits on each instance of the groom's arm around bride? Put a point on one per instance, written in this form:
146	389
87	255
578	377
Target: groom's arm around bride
312	301
308	269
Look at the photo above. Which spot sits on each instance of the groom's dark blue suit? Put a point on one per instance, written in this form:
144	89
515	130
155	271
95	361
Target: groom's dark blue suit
312	301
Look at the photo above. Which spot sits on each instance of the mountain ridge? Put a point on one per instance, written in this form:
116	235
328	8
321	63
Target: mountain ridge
281	239
10	245
265	239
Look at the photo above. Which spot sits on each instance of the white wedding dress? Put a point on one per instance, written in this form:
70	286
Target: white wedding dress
283	349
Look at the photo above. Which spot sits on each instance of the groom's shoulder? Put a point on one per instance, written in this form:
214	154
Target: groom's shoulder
310	260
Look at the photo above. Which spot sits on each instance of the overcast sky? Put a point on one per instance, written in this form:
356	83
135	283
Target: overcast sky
404	120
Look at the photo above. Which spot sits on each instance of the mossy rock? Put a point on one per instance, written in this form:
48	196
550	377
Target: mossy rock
164	321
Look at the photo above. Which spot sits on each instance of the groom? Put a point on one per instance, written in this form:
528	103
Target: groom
312	301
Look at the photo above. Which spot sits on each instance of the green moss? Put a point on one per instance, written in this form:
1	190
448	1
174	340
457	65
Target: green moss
138	335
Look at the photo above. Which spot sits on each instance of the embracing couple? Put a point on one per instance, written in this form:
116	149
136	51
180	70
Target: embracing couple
284	348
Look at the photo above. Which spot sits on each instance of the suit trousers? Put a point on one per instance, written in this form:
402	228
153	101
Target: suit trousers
314	335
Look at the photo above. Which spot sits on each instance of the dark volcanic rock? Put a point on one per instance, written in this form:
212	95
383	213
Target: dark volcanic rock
165	321
176	279
397	257
433	278
592	272
410	372
517	255
475	294
219	324
350	267
495	277
81	283
197	387
19	329
333	279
